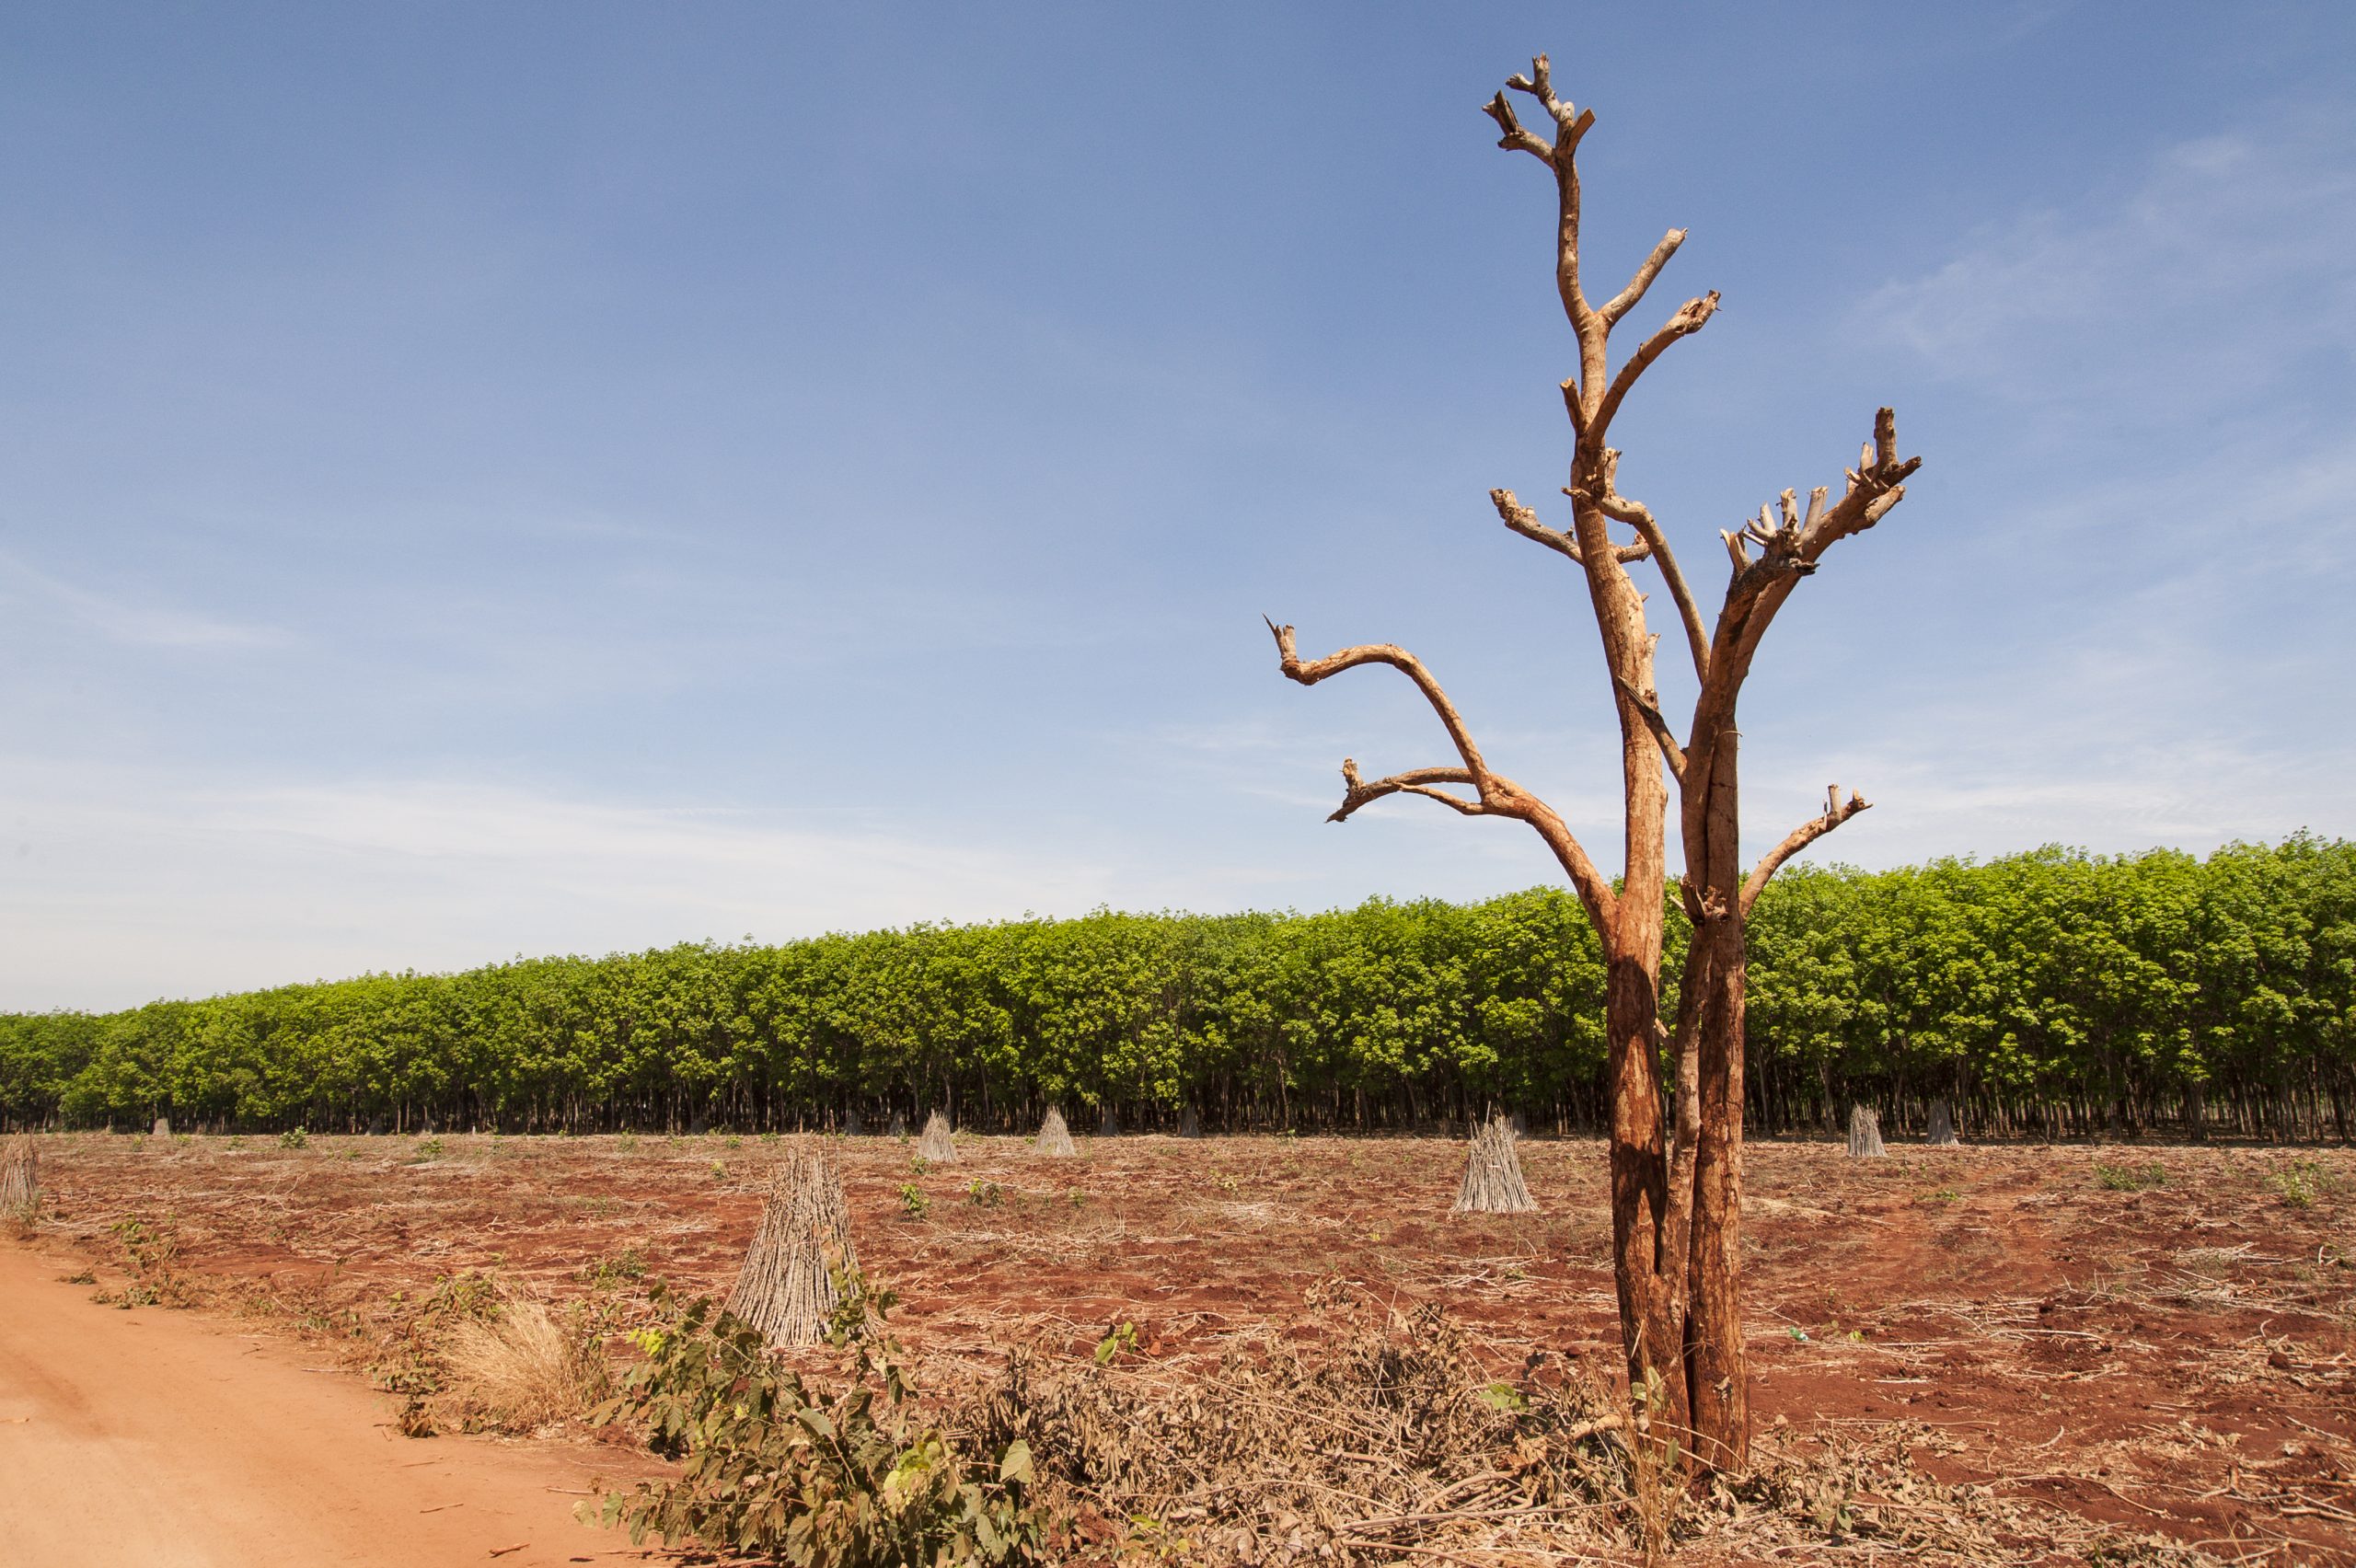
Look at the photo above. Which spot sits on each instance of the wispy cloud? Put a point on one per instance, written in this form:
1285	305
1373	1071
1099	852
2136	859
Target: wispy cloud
134	623
124	885
2221	270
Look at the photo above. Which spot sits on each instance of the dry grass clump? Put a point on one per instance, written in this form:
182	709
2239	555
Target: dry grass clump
521	1367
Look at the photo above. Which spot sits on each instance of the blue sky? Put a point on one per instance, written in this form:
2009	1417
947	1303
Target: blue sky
493	479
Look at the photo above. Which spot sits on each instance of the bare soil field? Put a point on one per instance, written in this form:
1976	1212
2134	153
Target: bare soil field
2119	1353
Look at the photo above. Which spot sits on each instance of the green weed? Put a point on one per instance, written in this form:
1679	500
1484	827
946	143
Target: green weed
2130	1178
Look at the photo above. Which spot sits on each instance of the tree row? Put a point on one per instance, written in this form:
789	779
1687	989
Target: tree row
2051	993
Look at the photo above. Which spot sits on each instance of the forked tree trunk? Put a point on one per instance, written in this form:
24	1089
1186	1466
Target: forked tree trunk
787	1287
1492	1182
1942	1125
1676	1177
1055	1137
937	1145
19	1180
1864	1134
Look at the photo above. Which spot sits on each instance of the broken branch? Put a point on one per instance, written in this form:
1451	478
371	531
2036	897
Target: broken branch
1398	659
1836	811
1620	509
1523	521
1649	711
1691	318
1496	796
1627	299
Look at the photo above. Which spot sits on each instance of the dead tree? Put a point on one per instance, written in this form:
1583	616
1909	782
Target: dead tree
1055	1137
1941	1126
19	1180
788	1287
1864	1134
1676	1178
937	1145
1492	1182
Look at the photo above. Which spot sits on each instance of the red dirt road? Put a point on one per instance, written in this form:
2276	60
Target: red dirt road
161	1440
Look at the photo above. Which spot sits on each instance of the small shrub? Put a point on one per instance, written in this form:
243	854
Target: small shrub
847	1476
429	1149
151	1249
988	1195
912	1200
295	1137
1122	1337
607	1271
2297	1184
2131	1178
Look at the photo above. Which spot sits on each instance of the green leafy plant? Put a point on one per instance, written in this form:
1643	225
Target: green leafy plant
988	1195
912	1200
2130	1178
1123	1338
614	1270
429	1149
843	1473
151	1250
2297	1183
295	1137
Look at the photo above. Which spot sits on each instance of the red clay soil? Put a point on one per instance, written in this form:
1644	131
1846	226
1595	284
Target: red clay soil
160	1440
2163	1339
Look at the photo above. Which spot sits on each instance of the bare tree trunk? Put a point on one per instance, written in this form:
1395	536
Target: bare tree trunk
1676	1180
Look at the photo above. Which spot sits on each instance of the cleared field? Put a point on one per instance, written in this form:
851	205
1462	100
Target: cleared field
2154	1340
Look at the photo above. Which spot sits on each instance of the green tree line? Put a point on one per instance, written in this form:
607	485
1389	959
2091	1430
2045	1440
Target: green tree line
2051	993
